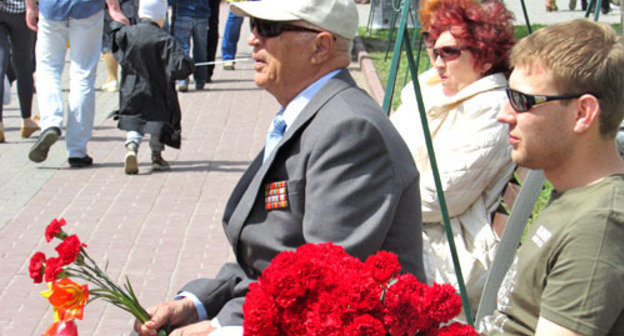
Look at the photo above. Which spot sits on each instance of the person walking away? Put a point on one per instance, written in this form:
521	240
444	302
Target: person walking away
191	23
18	39
79	23
151	61
129	8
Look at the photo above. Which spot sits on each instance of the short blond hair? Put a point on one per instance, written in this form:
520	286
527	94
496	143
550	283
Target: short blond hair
584	57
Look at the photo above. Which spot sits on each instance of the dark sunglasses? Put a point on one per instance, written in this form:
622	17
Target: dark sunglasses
522	102
268	29
449	53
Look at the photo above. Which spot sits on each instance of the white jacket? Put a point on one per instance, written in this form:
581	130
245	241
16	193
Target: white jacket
474	160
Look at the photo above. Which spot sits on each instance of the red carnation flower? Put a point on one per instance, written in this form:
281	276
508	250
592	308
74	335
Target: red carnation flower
383	266
365	325
457	329
259	313
54	229
441	303
69	249
36	267
319	289
403	313
54	266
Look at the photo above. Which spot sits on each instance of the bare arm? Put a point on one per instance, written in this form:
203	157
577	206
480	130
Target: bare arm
32	14
115	12
547	328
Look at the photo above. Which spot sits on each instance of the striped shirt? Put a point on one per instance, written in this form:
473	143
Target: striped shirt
12	6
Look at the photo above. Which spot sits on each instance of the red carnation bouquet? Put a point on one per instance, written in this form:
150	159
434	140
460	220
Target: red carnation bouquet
320	290
69	298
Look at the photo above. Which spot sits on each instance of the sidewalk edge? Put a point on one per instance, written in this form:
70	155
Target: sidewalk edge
368	69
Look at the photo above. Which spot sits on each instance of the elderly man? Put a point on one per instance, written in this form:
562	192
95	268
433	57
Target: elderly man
333	167
565	107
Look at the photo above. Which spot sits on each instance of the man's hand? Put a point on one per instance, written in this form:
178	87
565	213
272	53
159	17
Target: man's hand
174	313
115	12
32	14
196	329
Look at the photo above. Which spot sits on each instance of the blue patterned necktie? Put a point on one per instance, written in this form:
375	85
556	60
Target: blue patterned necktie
278	127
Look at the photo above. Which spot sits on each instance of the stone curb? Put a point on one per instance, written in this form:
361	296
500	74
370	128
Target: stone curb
368	69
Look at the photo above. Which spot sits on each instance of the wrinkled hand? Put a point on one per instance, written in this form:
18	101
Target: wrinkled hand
32	15
174	313
196	329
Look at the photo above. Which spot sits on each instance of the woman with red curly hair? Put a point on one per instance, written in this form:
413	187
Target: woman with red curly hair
462	95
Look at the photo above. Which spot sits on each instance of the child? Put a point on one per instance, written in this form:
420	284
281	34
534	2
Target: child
150	62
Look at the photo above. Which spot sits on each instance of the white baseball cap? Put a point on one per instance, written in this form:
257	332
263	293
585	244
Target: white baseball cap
153	9
337	16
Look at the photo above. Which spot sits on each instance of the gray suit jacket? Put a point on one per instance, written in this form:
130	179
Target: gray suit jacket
350	180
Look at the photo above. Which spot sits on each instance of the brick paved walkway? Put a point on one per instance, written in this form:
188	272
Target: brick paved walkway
159	229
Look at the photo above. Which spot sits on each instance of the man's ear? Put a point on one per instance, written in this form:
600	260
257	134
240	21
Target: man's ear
322	47
587	113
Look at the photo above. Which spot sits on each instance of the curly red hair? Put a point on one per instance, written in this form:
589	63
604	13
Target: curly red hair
487	28
426	11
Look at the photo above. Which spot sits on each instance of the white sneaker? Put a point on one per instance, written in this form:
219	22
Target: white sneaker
130	164
112	86
229	65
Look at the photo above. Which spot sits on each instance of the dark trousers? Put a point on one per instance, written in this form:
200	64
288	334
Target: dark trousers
17	38
213	35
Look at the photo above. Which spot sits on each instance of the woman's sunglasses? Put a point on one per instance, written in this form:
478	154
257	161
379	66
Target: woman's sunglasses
522	102
449	53
268	29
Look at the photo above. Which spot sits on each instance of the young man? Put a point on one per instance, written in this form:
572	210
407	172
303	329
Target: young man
565	107
339	168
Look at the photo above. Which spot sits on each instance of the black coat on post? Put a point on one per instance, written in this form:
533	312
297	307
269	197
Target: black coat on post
151	62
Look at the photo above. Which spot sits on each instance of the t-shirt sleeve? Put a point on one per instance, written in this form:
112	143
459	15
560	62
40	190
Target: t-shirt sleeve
584	289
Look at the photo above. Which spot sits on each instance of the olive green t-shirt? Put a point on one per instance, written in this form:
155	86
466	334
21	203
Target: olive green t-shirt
570	267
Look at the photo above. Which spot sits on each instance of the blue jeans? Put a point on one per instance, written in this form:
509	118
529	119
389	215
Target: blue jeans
85	39
231	36
186	27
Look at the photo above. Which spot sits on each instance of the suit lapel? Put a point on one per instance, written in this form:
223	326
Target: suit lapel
340	82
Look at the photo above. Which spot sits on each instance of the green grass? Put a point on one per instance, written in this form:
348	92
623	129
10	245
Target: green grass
375	44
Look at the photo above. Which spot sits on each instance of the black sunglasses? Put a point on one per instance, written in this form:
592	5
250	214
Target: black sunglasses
268	29
522	102
449	53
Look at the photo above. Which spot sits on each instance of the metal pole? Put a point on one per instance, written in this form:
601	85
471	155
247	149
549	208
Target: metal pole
622	17
526	17
403	38
436	177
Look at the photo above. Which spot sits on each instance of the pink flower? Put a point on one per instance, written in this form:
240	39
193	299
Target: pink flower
62	328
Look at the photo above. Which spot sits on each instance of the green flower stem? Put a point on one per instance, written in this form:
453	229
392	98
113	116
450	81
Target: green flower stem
106	289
